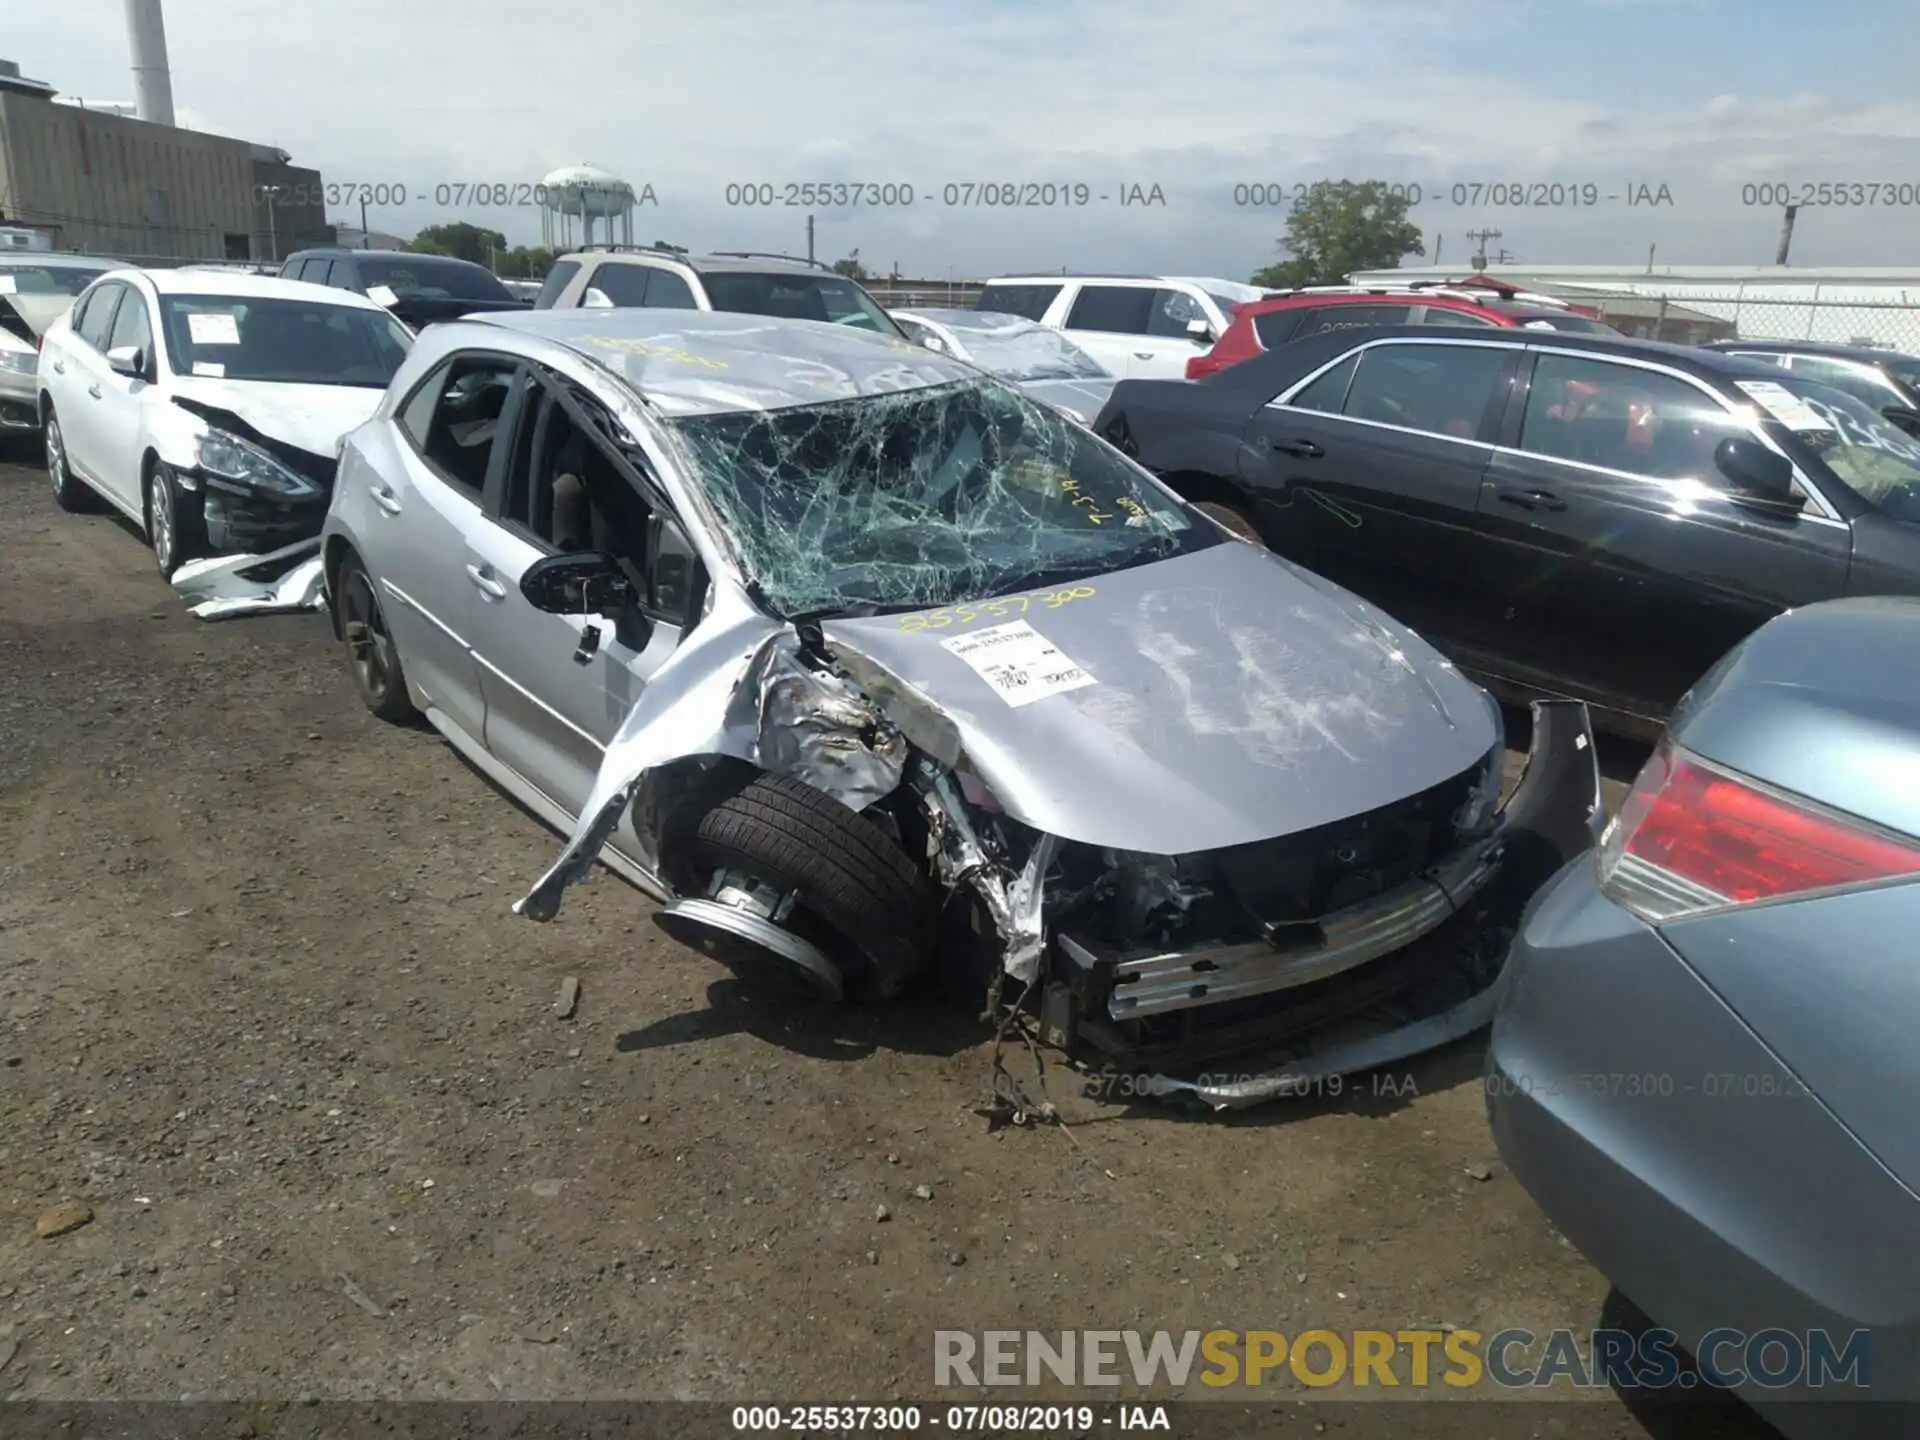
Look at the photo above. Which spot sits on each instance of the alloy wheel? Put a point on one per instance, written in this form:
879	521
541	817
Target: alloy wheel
160	520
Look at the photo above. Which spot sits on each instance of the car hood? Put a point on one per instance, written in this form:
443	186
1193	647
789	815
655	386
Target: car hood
307	417
1233	697
1079	398
39	311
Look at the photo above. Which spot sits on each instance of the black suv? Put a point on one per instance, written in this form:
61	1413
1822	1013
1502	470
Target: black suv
1886	380
1565	514
418	289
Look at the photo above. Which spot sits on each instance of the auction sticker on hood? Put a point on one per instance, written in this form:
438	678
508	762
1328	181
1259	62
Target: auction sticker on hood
382	295
214	327
1020	663
1785	406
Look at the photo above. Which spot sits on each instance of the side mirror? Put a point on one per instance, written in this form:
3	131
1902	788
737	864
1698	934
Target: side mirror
1904	416
128	360
1759	476
596	299
585	582
1201	331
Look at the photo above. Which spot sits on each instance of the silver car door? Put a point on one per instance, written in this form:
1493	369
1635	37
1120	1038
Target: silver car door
557	687
430	505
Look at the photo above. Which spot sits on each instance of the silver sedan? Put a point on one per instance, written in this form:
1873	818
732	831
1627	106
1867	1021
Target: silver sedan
1041	361
830	642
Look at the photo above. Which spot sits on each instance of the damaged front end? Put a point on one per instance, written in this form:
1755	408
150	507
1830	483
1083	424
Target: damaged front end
1321	952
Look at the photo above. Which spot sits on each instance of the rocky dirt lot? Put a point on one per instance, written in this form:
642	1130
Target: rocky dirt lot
266	1016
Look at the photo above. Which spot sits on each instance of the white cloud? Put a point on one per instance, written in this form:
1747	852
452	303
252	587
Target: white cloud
1194	98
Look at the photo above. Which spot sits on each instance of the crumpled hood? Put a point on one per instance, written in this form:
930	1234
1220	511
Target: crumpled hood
1233	697
1080	397
307	417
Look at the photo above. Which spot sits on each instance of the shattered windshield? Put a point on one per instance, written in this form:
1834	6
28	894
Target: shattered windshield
1021	351
927	498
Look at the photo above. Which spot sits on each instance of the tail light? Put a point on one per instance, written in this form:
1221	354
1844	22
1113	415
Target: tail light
1198	367
1693	837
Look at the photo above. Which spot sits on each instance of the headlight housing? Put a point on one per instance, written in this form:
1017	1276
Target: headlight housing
230	463
20	362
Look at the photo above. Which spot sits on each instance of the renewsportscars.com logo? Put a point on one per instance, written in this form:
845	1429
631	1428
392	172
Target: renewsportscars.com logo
1458	1359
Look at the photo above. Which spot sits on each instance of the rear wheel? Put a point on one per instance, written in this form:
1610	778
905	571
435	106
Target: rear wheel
68	493
372	655
1233	519
819	873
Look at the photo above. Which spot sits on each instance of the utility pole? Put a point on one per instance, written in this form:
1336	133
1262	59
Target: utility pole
809	238
272	193
363	220
1786	235
1480	238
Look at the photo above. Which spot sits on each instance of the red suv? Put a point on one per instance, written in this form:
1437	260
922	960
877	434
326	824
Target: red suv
1294	315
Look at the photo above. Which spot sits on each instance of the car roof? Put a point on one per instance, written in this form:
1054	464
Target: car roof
52	260
971	319
1868	353
1056	278
354	252
1697	360
711	264
228	282
713	362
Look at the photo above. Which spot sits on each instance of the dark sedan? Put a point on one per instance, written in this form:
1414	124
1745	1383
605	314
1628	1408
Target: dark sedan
1883	380
1583	516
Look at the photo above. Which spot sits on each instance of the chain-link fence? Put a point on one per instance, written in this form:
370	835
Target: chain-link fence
1885	319
924	294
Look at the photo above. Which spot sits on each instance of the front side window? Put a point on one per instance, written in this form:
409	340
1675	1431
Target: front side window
558	278
1441	389
432	277
292	342
130	325
1112	309
453	419
1622	417
1030	302
831	298
927	498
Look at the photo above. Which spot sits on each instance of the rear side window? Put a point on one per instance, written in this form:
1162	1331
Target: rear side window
667	291
1113	309
1276	327
1329	392
558	278
1353	317
1172	311
1441	315
1441	389
624	285
1031	302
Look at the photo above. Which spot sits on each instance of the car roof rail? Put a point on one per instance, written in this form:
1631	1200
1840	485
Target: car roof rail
772	255
606	246
1057	277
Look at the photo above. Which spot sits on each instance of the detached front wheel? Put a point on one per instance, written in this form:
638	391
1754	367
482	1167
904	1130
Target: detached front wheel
790	882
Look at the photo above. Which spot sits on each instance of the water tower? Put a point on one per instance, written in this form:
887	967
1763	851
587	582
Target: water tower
580	195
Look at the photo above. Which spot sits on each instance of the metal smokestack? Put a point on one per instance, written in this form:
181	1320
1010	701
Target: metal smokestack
152	81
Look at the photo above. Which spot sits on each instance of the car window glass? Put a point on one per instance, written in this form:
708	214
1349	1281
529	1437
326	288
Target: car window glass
1625	418
1112	309
1763	356
1329	391
557	280
1441	315
1172	312
1352	317
674	560
130	326
1030	302
98	321
415	415
1276	327
1856	380
667	291
464	421
624	285
564	488
1442	389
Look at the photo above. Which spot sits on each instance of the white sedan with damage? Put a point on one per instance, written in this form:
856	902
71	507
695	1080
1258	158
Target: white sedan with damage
208	408
864	662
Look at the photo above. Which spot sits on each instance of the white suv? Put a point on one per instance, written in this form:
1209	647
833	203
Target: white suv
626	276
1142	327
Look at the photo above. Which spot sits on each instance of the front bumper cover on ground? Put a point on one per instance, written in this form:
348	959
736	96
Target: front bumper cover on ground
281	581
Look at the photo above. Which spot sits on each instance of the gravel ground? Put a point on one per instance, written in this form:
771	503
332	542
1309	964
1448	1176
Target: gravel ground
264	1012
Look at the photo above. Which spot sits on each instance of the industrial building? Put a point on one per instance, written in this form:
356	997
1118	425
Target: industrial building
138	186
1834	304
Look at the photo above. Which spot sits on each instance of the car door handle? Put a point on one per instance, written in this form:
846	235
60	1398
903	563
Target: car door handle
59	367
94	389
385	499
485	583
1532	499
1306	449
1143	354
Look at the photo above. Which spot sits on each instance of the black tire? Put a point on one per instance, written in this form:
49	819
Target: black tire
1233	519
69	493
372	655
847	872
176	521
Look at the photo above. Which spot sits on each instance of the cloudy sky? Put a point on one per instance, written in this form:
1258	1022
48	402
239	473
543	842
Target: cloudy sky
1703	97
